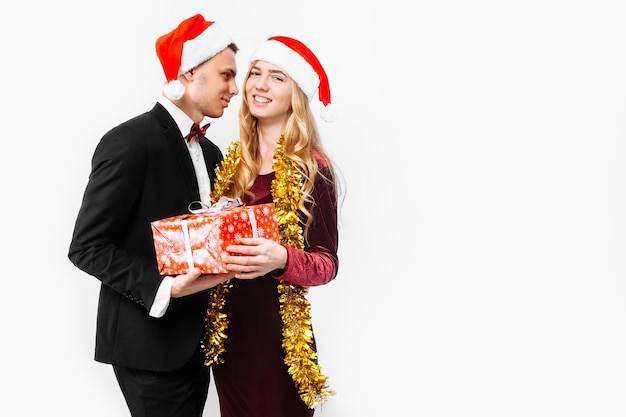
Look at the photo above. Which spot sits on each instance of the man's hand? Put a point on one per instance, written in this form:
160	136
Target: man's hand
193	282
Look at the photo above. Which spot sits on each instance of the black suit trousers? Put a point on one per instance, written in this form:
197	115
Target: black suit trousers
179	393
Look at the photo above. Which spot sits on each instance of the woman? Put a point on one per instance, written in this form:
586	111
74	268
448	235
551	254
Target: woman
261	345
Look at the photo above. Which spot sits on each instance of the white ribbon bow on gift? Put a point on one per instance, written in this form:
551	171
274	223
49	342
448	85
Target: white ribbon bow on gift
223	204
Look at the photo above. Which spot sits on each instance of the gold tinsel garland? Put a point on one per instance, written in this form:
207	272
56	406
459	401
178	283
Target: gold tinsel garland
216	321
295	309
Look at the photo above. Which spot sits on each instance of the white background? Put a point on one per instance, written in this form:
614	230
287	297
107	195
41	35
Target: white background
483	231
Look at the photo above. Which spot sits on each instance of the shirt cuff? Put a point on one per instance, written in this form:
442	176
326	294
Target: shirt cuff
162	299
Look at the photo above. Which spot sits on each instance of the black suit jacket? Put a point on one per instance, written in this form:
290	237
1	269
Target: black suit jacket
141	171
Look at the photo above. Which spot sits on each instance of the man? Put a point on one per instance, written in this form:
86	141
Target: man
149	326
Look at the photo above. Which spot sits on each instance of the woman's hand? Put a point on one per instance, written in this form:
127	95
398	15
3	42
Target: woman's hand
255	257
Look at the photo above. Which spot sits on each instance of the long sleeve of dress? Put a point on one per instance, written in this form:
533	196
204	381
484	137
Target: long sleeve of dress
318	263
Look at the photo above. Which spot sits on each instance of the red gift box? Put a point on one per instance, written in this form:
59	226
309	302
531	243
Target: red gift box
200	239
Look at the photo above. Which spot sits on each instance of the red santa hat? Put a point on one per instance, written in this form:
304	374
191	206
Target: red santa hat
301	64
193	42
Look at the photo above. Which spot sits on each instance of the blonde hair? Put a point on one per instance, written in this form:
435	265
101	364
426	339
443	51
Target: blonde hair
302	144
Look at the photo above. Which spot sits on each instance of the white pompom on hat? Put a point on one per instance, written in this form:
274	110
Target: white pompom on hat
194	41
301	64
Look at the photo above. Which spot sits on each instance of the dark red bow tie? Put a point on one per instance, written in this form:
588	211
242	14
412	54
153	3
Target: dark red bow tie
197	132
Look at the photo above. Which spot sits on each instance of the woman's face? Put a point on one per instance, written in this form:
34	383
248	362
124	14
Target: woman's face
268	90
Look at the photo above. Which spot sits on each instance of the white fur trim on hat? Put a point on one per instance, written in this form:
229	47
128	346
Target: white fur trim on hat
292	63
203	47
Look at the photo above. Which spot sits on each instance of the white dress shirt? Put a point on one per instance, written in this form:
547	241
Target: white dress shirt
184	123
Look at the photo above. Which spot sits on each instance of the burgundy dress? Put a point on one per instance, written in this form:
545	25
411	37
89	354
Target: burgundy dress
253	380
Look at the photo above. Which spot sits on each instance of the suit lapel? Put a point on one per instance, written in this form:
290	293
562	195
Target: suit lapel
179	151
